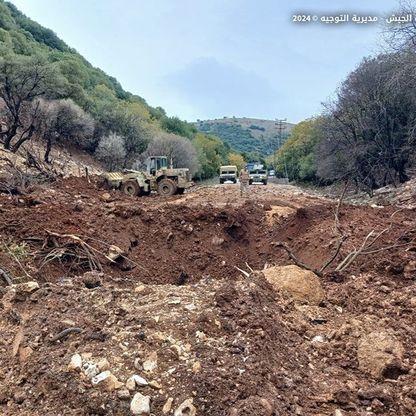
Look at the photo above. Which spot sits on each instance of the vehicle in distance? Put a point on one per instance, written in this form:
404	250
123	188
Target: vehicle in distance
228	173
272	173
258	175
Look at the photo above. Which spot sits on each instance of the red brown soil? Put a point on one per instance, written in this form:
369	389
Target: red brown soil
253	344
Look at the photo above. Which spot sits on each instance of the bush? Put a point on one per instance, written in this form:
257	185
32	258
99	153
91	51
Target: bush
111	151
178	149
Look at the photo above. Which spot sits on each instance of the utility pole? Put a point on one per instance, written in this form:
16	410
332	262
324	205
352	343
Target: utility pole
281	126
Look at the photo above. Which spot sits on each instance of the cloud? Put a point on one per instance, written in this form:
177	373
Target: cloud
216	88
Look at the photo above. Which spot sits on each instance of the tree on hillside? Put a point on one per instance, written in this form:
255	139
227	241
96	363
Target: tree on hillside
129	120
22	80
178	149
371	126
237	160
63	121
212	153
111	151
296	157
177	126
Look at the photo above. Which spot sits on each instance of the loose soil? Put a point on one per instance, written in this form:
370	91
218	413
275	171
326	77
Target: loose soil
232	343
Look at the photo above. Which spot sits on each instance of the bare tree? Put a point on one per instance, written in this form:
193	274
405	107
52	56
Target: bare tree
369	134
63	121
178	149
111	151
22	80
401	36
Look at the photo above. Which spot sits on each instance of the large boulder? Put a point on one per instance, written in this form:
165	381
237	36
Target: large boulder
380	353
302	285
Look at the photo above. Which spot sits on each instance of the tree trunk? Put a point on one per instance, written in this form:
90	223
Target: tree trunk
23	139
48	150
9	136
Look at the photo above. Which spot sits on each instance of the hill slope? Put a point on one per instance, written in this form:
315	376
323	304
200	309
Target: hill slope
113	110
247	134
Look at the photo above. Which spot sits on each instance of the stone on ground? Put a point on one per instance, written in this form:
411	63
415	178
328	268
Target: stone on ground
380	353
302	285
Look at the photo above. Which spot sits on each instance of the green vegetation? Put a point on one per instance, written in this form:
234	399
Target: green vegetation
297	155
367	134
243	137
38	68
236	136
237	160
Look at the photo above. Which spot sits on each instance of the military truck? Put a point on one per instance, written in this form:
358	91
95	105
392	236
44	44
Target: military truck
228	173
158	177
257	175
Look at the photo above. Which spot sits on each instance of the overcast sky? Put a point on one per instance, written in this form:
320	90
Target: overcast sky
204	59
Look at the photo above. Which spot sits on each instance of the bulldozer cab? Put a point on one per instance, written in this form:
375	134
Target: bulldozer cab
156	163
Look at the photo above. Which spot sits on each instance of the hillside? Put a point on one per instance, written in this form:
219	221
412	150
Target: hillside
62	81
247	134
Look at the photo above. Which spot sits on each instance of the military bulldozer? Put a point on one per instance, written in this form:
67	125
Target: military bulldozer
158	177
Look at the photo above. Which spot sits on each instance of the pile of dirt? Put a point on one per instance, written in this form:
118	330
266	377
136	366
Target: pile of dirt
170	325
184	238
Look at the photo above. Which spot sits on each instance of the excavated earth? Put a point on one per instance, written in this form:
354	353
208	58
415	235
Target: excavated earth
172	306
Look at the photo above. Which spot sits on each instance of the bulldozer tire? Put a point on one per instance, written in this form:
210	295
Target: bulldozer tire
131	188
166	187
180	191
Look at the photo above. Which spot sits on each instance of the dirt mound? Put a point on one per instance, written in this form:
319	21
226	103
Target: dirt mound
168	318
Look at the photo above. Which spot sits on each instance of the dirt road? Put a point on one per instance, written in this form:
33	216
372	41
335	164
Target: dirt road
166	302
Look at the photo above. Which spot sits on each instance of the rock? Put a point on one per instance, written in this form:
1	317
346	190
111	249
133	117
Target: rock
123	394
302	285
92	279
140	381
186	408
24	354
105	197
217	241
23	290
410	270
137	364
90	369
338	412
131	384
19	397
103	365
140	405
28	287
377	406
107	381
384	394
167	406
139	289
380	353
114	253
318	339
155	384
196	368
76	363
137	380
151	362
